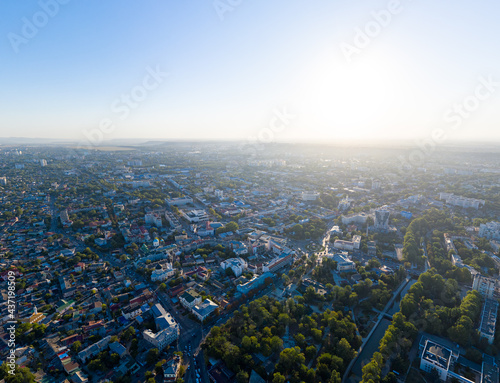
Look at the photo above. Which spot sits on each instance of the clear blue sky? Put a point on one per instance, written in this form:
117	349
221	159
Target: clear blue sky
227	76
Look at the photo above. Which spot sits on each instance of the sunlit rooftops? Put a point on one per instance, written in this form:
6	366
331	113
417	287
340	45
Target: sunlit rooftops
437	355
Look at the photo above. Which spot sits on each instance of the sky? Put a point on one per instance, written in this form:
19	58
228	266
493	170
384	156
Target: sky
265	70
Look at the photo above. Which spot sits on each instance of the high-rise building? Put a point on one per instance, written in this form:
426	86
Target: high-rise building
489	320
219	194
382	219
490	230
488	287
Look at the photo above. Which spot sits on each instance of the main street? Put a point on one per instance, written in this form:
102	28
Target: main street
379	319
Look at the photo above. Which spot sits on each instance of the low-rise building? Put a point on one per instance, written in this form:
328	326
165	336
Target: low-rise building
153	219
190	298
196	215
254	283
204	310
464	202
168	328
438	357
310	196
343	245
358	219
162	272
179	201
163	338
238	265
344	263
284	259
171	369
94	349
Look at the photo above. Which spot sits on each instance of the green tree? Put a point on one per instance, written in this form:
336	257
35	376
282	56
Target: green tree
76	346
278	378
242	376
152	356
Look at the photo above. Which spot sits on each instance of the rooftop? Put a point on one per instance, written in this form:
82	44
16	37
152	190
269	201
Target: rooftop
437	355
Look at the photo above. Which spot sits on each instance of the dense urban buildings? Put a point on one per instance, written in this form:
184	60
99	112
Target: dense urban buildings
122	259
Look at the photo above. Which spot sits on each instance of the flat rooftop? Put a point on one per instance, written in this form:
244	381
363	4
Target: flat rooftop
489	318
436	354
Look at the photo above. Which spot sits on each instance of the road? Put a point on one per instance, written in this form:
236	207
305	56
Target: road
427	266
380	317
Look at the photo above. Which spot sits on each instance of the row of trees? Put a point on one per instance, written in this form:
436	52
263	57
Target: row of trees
411	248
432	305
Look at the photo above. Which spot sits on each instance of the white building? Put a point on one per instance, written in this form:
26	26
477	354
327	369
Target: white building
94	349
169	329
43	162
356	240
219	194
348	245
254	283
3	180
278	263
344	263
204	310
310	196
358	219
496	247
382	219
335	230
490	230
343	245
488	287
134	163
190	298
489	320
344	204
131	312
179	201
171	369
163	338
194	216
172	220
436	356
162	272
457	260
153	219
464	202
238	265
204	229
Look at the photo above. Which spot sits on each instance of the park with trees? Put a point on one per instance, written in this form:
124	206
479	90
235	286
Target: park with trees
300	344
